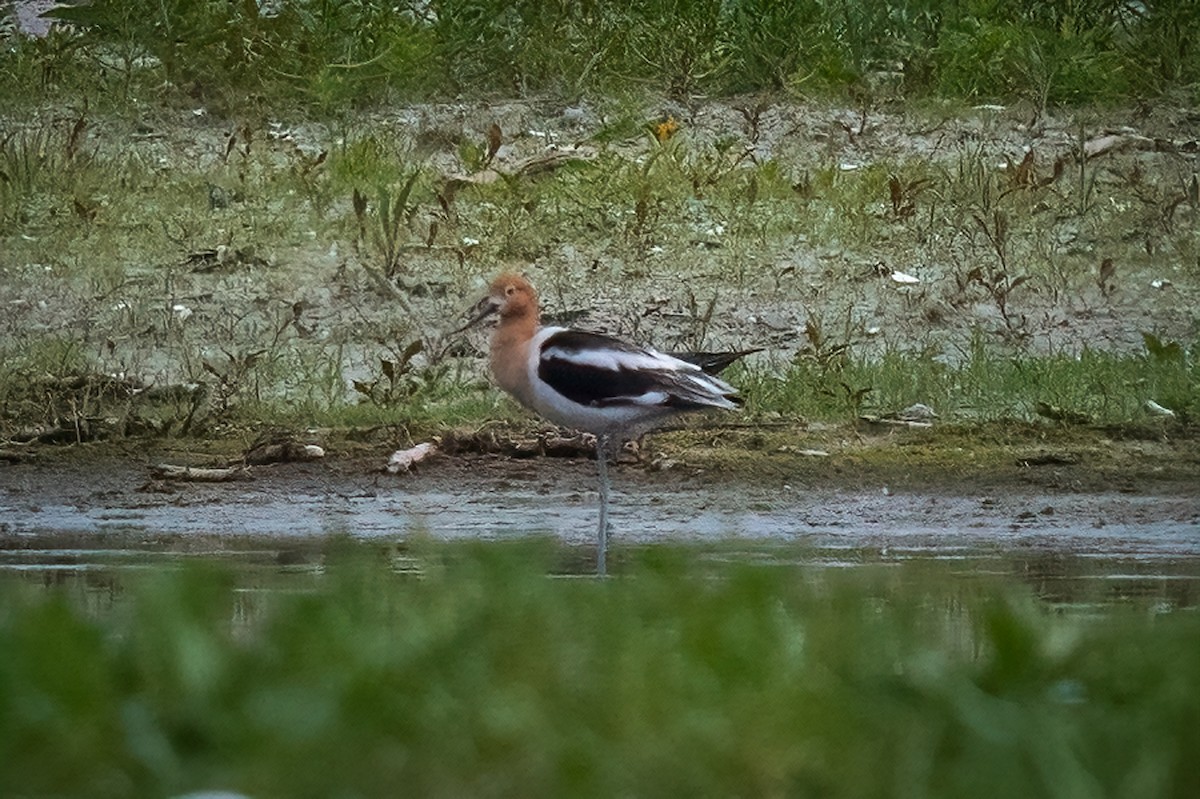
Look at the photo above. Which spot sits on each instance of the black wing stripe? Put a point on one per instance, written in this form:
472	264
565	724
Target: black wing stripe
581	340
601	386
588	384
591	385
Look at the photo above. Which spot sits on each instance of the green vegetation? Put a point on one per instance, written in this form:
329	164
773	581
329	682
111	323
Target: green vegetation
1093	387
216	218
336	56
173	262
315	285
483	676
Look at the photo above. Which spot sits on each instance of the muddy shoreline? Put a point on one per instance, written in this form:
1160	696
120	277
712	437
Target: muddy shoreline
882	500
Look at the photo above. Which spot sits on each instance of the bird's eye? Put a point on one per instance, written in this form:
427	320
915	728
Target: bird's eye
510	290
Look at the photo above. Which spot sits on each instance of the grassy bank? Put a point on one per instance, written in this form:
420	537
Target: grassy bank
486	677
1143	395
211	217
308	276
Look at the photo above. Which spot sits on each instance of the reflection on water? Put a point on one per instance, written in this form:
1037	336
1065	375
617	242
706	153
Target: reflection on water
96	571
1060	578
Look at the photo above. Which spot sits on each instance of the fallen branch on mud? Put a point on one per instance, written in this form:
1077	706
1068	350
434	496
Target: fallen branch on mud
545	443
883	420
539	164
1117	141
200	474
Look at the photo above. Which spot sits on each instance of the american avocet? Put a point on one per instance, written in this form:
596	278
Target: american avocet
592	382
714	362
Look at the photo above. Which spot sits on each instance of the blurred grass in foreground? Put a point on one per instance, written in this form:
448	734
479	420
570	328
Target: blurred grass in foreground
484	676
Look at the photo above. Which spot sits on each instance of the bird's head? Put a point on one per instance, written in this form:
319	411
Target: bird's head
510	296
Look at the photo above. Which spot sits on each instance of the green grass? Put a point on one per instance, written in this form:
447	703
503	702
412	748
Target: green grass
334	57
484	676
37	387
984	385
338	256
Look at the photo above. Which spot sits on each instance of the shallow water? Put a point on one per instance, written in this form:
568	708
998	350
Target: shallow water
1070	548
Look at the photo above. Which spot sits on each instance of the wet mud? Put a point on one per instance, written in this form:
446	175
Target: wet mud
1056	525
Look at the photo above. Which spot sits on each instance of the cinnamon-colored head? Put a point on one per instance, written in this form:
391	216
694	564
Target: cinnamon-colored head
511	296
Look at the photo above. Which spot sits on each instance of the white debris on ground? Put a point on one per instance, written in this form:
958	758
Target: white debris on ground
403	460
1158	410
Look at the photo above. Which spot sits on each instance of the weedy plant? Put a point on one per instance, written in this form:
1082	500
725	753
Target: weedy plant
396	381
388	231
44	162
997	280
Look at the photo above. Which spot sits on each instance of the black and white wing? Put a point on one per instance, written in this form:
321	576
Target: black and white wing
714	362
599	371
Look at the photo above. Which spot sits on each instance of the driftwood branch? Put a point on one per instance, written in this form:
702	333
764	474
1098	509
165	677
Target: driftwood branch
199	474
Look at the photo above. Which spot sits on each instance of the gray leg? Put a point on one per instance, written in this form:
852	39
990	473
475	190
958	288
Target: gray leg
602	443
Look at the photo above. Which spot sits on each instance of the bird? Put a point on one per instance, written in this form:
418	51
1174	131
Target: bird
593	382
714	363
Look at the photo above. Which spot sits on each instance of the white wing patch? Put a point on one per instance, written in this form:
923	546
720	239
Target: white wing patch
650	399
617	360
